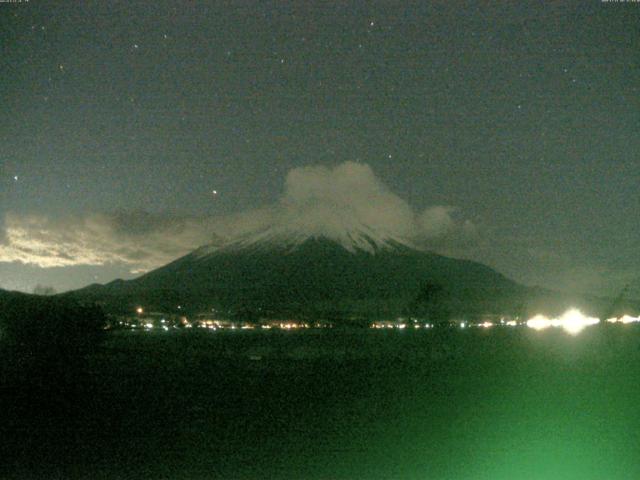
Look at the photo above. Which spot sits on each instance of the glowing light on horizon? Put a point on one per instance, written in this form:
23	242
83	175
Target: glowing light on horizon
625	319
573	321
539	322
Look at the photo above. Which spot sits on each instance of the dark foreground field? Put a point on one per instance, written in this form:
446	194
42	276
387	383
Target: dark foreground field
475	404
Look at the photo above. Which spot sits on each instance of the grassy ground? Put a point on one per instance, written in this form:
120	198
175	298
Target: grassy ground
475	404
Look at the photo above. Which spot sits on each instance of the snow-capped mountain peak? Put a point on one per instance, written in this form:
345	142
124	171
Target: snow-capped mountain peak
360	239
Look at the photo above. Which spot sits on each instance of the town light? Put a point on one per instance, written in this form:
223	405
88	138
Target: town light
573	321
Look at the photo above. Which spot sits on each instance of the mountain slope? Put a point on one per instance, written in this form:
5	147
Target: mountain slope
628	300
276	275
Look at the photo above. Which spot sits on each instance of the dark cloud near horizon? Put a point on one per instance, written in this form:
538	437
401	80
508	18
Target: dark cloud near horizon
3	232
140	222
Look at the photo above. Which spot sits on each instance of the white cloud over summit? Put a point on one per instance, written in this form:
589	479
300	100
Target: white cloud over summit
316	200
321	200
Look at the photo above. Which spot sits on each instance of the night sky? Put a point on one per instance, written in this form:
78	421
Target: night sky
133	132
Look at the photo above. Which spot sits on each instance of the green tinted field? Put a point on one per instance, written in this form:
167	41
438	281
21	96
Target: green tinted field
475	404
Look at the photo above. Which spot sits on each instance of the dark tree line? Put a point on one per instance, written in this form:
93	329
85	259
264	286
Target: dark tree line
51	329
45	343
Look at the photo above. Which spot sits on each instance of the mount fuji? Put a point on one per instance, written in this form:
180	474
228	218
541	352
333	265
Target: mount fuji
342	273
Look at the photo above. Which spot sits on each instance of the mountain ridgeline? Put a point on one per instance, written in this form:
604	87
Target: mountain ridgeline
319	277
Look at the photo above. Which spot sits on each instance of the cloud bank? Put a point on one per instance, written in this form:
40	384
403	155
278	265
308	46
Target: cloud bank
316	200
138	239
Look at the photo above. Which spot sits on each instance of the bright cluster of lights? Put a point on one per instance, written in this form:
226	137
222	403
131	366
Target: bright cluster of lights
210	324
399	326
227	325
572	321
624	319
